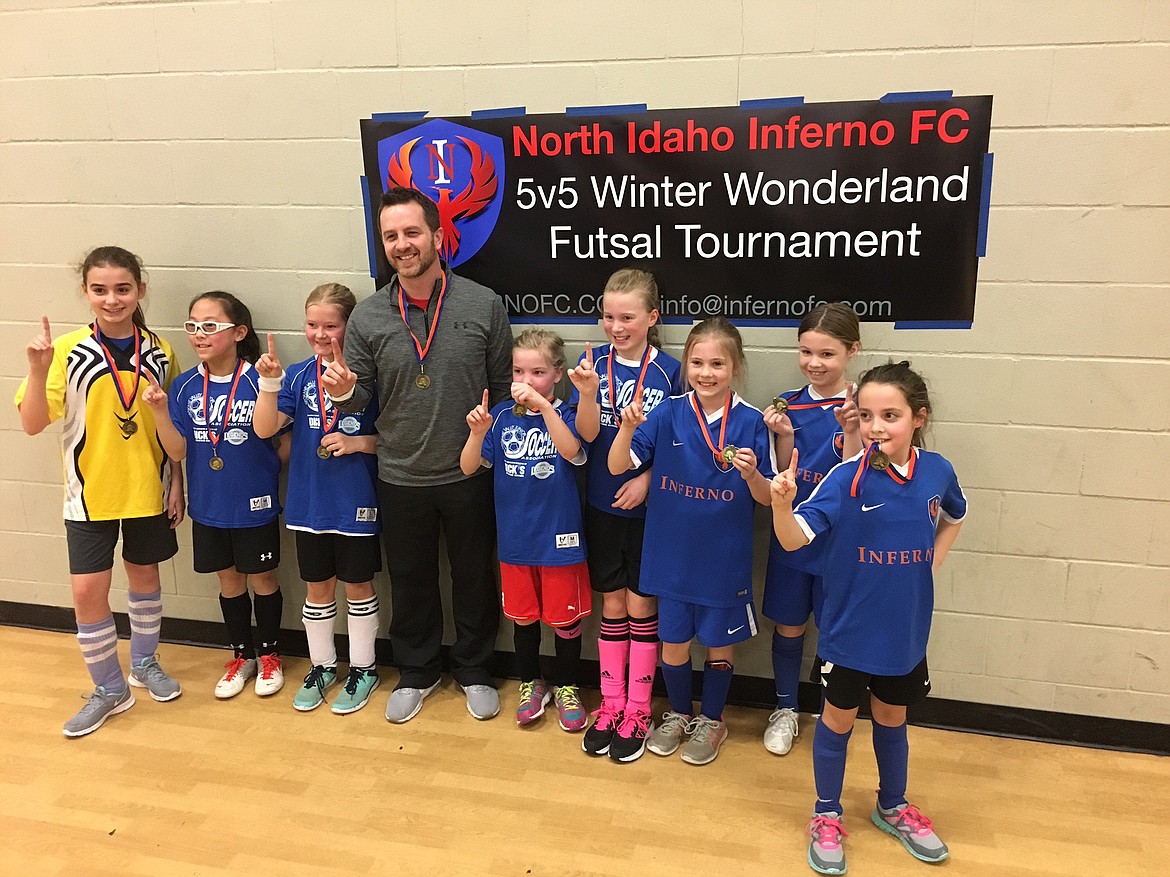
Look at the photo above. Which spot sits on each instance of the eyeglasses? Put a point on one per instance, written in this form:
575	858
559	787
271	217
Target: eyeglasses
207	327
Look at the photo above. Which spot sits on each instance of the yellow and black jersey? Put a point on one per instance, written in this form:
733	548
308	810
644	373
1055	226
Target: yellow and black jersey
109	474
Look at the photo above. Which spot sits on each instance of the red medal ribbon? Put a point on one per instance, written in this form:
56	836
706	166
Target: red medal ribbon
326	426
716	452
127	401
863	467
227	410
637	387
804	406
418	347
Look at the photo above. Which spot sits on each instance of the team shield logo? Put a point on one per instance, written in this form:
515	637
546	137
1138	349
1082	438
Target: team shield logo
932	507
461	169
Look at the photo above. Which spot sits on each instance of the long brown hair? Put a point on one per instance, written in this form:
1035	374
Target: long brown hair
116	257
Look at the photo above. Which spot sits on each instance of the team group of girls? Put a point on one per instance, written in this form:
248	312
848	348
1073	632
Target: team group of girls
675	463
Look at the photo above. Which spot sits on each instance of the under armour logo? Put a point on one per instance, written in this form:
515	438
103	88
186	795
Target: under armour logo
266	555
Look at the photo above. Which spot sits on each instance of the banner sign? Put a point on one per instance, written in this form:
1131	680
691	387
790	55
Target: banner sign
755	213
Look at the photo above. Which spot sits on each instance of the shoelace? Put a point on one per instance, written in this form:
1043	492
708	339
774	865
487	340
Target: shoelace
635	722
152	672
269	664
567	696
675	723
234	666
607	716
527	691
827	831
352	680
700	728
316	679
917	822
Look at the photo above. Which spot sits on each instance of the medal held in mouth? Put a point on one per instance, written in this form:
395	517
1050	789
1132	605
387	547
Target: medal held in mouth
722	458
422	380
879	460
216	461
125	397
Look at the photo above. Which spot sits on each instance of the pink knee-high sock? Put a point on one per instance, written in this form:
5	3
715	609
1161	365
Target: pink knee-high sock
643	660
613	648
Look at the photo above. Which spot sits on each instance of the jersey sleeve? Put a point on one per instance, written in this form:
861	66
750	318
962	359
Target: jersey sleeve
646	436
764	449
569	416
817	513
286	399
954	501
177	406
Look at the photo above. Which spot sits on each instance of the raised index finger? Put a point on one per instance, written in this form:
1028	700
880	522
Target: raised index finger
795	456
45	326
589	353
337	357
849	392
485	400
271	346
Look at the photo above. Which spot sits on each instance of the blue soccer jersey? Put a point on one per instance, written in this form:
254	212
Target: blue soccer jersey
698	542
660	383
819	439
538	509
243	493
335	494
879	532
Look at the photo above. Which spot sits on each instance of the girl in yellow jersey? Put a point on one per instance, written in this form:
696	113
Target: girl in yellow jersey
117	475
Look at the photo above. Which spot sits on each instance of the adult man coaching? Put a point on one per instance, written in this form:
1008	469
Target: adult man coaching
428	344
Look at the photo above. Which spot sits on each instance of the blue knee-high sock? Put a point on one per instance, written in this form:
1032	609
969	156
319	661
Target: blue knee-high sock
829	750
678	686
716	684
787	652
892	750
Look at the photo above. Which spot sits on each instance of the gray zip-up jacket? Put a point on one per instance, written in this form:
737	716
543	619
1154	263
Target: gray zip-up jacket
422	431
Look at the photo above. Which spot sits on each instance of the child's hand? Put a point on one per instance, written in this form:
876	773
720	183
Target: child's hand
339	444
268	365
155	396
40	351
745	461
176	504
784	484
337	377
525	395
480	418
632	415
633	493
778	423
584	378
847	414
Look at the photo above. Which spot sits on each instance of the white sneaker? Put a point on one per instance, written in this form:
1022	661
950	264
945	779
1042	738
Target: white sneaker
239	671
271	678
782	731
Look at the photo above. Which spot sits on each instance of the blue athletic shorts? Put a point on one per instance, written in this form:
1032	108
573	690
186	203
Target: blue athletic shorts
712	626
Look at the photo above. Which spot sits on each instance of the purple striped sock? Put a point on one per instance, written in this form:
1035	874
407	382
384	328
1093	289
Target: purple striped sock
99	648
145	623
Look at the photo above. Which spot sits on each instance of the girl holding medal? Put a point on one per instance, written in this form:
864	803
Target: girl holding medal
331	504
888	517
232	475
712	457
117	475
820	421
630	366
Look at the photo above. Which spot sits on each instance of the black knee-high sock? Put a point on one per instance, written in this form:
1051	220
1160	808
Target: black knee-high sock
526	641
269	608
567	665
237	617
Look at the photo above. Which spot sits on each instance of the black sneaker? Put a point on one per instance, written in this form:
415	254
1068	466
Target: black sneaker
597	739
630	740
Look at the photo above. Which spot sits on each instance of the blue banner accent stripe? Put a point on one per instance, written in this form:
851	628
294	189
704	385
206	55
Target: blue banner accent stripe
984	204
560	321
933	324
369	226
767	103
413	116
905	97
676	321
612	110
773	324
499	113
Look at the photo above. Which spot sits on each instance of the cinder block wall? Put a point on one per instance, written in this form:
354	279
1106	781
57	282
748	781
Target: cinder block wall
219	140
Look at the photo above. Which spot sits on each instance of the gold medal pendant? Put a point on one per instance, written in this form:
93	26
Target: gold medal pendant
323	452
519	410
129	427
728	453
422	381
780	404
879	461
215	463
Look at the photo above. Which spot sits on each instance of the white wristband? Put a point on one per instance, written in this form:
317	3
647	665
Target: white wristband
343	397
271	385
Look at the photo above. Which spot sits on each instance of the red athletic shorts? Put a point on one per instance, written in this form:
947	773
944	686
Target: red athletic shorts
556	595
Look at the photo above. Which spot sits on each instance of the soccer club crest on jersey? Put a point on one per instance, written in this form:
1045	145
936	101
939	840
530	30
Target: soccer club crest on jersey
932	507
309	396
839	444
461	169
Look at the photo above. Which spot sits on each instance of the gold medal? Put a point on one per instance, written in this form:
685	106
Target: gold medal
129	427
780	404
728	453
422	381
323	452
879	461
215	463
519	410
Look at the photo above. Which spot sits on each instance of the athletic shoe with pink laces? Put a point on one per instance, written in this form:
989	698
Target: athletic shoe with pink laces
826	854
599	737
915	831
630	740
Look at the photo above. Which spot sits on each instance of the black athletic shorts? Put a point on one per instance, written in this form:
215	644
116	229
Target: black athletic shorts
250	550
144	541
846	688
615	550
352	559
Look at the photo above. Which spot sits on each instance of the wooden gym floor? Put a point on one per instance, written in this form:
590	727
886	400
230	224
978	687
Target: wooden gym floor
201	787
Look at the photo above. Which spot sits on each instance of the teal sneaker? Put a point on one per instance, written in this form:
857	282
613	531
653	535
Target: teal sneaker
317	682
359	685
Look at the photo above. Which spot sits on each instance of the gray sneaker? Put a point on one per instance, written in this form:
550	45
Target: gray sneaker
100	706
404	703
665	738
707	735
915	831
150	675
826	854
483	701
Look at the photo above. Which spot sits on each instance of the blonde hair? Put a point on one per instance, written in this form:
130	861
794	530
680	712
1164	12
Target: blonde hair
333	294
643	283
723	331
549	343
